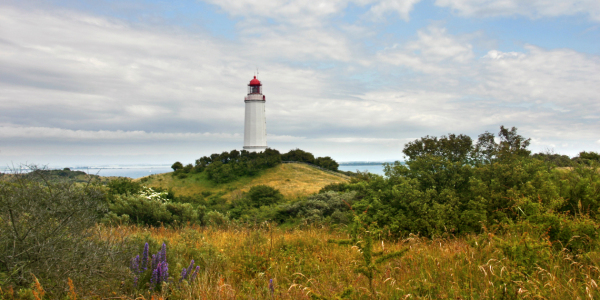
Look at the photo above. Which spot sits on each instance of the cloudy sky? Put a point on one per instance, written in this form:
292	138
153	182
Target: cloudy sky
142	81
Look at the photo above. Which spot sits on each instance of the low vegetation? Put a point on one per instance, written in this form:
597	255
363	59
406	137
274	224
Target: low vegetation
461	219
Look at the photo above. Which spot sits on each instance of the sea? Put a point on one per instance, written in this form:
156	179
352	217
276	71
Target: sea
138	171
375	168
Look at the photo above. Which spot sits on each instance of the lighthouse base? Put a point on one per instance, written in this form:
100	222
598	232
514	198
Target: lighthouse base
255	148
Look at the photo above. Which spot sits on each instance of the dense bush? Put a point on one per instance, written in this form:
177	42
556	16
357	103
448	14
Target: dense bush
327	163
228	166
123	185
298	155
450	185
263	195
47	229
330	205
152	208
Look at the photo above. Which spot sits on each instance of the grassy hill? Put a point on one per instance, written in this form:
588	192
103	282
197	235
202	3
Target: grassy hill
293	180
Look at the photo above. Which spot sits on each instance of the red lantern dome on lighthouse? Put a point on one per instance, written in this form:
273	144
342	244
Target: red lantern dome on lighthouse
255	87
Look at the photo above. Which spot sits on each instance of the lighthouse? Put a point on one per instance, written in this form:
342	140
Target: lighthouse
255	124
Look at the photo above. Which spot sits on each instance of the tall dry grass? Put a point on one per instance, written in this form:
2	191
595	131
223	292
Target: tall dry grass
303	265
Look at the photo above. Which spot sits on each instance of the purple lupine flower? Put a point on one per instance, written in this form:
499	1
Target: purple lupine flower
145	258
154	261
164	272
190	267
154	279
195	273
135	264
163	253
135	281
183	274
271	287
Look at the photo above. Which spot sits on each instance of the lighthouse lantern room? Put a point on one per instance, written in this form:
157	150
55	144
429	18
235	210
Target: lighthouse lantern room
255	125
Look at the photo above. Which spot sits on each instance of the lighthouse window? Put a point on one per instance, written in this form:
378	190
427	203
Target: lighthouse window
256	90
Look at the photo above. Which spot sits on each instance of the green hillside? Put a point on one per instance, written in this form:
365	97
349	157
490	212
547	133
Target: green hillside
293	180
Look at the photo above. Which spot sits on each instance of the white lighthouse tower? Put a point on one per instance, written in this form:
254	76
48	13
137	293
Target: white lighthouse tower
255	126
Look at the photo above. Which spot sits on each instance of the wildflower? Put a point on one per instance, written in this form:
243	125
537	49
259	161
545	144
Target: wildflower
145	258
271	287
195	273
185	272
154	278
164	272
135	264
163	253
190	267
155	261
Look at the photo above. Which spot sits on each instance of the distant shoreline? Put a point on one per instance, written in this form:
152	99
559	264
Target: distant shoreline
366	163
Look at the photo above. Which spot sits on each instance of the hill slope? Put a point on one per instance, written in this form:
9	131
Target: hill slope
293	180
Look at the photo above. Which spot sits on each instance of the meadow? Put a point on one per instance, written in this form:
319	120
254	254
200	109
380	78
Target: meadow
456	221
268	262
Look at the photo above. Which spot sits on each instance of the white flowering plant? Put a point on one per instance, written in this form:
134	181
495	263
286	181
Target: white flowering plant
151	194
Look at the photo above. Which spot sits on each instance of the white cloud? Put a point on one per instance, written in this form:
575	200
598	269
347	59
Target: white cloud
401	7
433	52
60	134
69	77
528	8
564	78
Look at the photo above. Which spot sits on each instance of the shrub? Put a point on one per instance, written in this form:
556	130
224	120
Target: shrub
335	187
317	207
47	229
188	168
298	155
151	208
263	195
216	218
124	185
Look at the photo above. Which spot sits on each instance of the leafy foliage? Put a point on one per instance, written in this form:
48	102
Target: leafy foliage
151	208
48	229
449	186
229	166
177	166
123	185
262	195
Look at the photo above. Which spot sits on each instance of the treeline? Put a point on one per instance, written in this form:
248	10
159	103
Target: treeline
586	158
228	166
453	185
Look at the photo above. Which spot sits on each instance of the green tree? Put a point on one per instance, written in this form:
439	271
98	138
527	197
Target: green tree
177	166
452	147
327	163
512	144
298	155
188	168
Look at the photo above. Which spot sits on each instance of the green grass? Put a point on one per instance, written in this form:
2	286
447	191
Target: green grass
292	180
